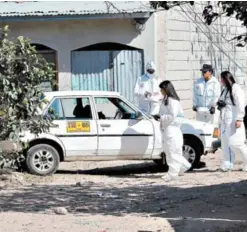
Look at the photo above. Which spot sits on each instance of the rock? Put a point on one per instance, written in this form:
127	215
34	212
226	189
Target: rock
84	183
10	146
79	184
18	178
100	194
60	211
12	180
6	171
4	177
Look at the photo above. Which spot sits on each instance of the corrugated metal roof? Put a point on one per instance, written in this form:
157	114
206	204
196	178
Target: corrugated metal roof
60	8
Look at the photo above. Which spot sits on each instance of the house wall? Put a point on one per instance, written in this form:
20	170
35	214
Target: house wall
66	36
188	43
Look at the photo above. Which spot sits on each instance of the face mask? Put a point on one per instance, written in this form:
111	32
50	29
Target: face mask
150	74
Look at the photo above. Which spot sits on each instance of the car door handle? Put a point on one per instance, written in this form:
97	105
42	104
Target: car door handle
105	125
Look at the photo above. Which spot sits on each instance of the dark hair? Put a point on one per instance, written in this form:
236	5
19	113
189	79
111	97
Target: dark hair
229	80
170	90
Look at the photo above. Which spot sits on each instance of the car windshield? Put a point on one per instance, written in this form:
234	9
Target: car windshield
148	115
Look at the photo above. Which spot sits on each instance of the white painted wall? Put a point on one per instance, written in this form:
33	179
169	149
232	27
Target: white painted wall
65	36
188	43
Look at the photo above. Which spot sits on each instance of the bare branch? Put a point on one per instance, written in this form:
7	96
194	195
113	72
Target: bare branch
109	5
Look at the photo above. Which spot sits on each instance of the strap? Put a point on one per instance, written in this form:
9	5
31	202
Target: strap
223	92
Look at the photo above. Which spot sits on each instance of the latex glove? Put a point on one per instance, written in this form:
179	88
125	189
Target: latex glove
212	110
156	117
147	94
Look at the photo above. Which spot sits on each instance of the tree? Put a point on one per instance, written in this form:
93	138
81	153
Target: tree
237	9
22	71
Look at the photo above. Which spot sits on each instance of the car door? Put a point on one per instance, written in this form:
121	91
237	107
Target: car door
120	132
77	127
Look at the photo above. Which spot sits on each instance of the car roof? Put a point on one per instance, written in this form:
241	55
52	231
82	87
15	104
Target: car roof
53	94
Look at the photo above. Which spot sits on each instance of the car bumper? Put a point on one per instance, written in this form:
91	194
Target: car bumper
216	144
214	147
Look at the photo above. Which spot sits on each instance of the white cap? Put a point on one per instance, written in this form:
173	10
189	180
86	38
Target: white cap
150	65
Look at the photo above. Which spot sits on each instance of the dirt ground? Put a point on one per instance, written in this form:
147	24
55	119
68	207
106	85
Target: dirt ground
126	197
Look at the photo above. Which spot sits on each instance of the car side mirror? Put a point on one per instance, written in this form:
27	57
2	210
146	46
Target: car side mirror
50	114
51	110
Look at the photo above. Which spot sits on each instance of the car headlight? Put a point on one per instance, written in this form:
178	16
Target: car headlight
216	133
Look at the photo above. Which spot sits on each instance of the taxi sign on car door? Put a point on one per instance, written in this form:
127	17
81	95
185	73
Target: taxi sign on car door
78	126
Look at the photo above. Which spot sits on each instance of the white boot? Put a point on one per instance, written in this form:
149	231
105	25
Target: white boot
184	168
223	169
226	166
168	178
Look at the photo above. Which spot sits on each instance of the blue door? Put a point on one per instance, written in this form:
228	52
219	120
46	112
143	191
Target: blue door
107	71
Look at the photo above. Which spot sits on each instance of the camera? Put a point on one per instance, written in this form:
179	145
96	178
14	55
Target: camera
221	104
156	117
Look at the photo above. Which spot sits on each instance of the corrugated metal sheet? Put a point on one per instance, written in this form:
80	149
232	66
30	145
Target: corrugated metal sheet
127	67
59	8
107	71
91	70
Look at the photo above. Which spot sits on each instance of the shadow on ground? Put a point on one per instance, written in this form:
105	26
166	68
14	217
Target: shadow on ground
214	208
119	171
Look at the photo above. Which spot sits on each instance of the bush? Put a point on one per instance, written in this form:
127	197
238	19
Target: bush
22	71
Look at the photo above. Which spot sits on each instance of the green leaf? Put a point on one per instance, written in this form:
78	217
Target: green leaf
21	72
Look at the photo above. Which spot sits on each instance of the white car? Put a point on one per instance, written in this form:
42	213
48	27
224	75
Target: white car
101	126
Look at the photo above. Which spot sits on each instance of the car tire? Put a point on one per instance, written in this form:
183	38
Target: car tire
192	152
42	160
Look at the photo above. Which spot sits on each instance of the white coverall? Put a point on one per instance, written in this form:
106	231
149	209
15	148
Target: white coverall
147	83
232	138
172	137
206	95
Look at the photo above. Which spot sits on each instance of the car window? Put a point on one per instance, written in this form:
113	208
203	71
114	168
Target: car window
77	108
55	110
113	108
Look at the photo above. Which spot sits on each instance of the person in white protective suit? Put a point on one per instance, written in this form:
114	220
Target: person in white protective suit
207	91
147	90
232	111
170	117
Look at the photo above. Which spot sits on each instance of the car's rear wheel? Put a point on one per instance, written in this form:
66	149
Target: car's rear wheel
42	160
191	150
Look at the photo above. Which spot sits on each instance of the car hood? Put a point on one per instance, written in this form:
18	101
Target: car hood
201	128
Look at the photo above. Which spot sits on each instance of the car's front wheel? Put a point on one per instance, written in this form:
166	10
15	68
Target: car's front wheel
192	151
42	160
